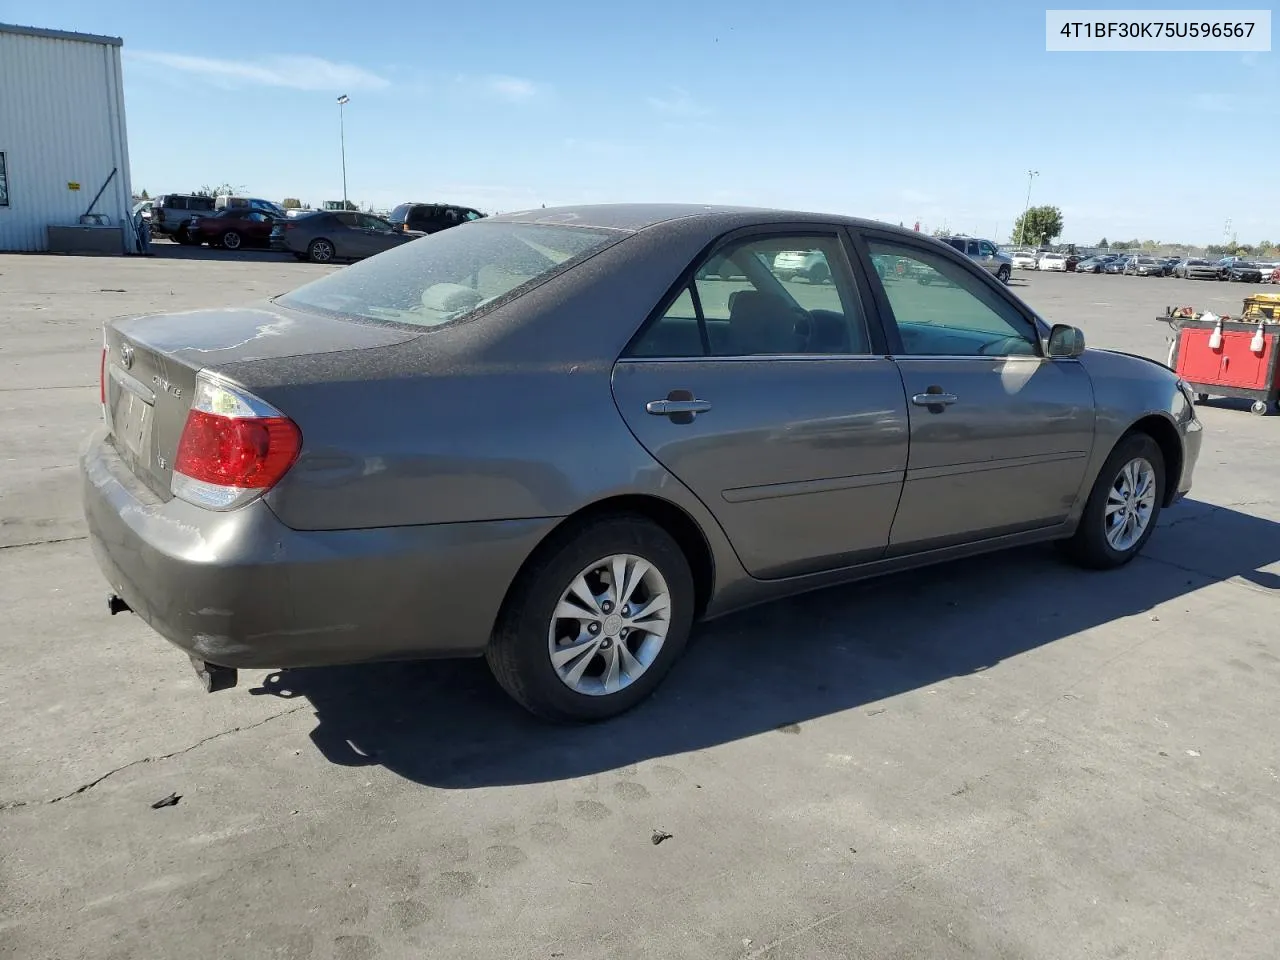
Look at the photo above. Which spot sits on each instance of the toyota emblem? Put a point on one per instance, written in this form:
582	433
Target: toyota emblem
126	356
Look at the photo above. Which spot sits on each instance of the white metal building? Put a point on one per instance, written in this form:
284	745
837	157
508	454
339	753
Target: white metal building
62	133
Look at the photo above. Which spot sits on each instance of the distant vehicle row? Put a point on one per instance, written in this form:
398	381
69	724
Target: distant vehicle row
1187	268
233	223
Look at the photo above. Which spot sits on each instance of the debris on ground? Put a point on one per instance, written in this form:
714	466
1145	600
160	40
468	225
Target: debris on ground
659	836
170	801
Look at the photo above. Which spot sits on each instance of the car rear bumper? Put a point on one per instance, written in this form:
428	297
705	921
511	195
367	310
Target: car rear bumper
240	589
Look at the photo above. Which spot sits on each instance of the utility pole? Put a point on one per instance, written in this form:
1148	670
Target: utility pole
342	140
1022	225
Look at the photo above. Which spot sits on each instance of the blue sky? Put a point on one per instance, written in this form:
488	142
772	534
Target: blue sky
928	110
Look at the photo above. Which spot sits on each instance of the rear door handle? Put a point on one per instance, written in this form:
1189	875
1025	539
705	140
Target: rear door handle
934	399
668	408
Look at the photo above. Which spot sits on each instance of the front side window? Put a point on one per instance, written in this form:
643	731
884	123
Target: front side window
451	274
4	180
942	309
987	249
972	248
777	295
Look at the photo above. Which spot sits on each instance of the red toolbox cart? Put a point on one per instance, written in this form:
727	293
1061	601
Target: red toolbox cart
1233	368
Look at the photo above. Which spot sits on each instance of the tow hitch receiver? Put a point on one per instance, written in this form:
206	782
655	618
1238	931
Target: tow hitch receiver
214	677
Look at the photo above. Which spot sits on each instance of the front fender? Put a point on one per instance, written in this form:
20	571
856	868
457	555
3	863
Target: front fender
1128	389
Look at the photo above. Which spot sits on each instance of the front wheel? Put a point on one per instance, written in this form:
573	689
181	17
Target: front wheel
1004	274
231	240
592	627
1123	506
819	273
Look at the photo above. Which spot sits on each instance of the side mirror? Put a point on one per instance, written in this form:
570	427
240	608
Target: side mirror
1065	341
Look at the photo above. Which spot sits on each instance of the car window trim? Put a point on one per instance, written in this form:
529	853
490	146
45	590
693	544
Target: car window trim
862	236
859	287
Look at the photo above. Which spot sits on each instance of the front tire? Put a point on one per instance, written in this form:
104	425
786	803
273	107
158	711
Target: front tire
231	240
572	644
1123	507
1004	274
819	273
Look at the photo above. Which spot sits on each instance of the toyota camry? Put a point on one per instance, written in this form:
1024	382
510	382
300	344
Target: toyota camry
557	439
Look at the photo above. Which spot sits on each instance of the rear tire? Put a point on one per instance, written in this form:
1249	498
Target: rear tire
1119	489
819	273
533	624
320	250
1004	274
231	240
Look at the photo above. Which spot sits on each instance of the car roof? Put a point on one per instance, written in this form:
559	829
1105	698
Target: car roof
633	217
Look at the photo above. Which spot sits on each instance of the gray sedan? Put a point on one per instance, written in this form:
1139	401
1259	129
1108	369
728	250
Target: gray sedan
557	439
323	236
1196	269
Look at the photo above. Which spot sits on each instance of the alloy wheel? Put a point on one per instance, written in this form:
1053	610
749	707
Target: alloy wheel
1130	504
609	625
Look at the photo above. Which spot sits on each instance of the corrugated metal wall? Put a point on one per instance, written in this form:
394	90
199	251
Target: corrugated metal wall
61	121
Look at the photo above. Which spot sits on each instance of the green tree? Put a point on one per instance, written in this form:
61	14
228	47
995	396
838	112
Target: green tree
1103	243
1038	226
291	203
144	195
222	189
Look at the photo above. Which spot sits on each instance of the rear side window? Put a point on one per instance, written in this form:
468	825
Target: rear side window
399	213
451	274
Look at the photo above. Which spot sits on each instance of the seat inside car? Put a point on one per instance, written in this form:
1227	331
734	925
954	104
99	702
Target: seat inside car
762	323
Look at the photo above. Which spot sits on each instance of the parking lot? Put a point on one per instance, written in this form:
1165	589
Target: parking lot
1004	757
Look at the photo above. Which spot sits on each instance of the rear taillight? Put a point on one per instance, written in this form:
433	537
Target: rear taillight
233	448
102	377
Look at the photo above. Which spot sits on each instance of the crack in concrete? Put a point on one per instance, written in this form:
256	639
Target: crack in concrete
85	787
41	543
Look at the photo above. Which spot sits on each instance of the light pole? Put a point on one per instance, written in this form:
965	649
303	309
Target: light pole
342	140
1022	224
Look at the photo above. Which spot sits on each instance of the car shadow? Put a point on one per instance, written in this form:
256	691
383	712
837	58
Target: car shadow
170	250
447	724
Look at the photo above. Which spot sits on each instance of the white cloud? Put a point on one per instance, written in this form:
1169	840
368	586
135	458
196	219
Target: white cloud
916	196
1214	102
293	72
677	104
515	89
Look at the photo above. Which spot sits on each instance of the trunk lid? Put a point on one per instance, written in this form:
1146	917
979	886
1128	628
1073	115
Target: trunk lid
151	365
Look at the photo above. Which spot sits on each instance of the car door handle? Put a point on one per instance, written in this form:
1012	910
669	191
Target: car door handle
668	408
934	399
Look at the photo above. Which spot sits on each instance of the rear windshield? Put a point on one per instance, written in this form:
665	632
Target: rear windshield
448	275
400	213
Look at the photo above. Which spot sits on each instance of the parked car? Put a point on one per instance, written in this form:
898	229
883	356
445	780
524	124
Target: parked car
233	228
528	439
226	201
1091	265
1052	261
327	235
1275	275
1116	266
142	207
1168	265
431	217
1241	270
1143	267
984	252
1196	268
173	213
1073	261
1025	259
809	264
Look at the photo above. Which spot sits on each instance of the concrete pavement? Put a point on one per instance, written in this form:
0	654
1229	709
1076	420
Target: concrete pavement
1005	757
